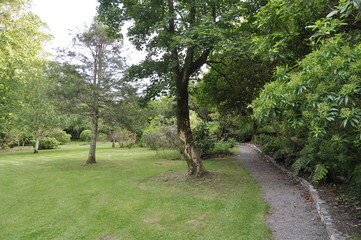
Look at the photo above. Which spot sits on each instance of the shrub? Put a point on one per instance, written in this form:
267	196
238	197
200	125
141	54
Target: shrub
202	139
61	136
270	144
156	140
102	137
355	187
320	101
85	135
223	146
287	155
244	134
48	143
162	138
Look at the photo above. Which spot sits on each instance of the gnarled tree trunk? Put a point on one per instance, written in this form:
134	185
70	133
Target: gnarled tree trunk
195	165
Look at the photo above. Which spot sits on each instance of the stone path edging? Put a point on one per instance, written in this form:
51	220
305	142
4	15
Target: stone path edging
321	206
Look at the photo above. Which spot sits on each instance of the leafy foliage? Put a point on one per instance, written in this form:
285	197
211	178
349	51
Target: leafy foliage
223	146
61	136
21	38
85	135
320	101
48	143
203	140
282	35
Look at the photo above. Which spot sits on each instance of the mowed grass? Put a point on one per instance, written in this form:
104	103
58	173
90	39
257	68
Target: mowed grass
130	194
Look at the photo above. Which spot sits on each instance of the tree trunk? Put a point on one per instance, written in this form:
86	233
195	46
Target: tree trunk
195	165
36	147
93	139
181	76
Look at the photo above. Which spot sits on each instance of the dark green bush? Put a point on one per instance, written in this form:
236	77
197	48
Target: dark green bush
244	134
202	139
223	146
270	144
287	155
354	190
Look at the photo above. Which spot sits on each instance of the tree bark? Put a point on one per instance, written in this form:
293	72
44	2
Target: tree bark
36	147
93	139
195	165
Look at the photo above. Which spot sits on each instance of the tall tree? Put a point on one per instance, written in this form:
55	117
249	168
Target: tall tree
21	38
89	80
179	37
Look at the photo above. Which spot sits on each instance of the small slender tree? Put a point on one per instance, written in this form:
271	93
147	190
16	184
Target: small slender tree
89	80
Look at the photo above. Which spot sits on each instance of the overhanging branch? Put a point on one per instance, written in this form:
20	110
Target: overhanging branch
220	73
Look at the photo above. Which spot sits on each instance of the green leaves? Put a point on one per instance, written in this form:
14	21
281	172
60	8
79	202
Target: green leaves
21	39
281	33
319	173
320	99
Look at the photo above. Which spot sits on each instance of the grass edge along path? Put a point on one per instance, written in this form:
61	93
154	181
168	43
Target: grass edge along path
129	194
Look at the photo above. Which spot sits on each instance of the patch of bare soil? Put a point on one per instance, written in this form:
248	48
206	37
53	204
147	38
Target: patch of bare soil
172	176
213	185
217	155
154	220
168	163
197	222
15	149
142	186
342	211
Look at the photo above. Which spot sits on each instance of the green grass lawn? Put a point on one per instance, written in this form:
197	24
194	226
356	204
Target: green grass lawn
129	194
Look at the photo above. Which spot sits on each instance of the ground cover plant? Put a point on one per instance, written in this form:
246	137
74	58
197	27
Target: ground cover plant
130	194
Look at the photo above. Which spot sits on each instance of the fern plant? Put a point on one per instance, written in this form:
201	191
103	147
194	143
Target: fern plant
301	163
319	173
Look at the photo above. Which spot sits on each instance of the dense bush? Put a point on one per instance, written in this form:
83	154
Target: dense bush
61	136
244	134
85	135
319	104
48	143
203	140
162	138
223	146
270	143
355	189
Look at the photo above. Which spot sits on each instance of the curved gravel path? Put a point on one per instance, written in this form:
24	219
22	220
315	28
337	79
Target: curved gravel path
290	216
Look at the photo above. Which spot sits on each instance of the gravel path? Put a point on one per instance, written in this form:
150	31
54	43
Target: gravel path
290	216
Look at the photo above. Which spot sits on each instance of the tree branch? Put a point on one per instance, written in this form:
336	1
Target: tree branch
216	62
198	63
174	52
220	73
